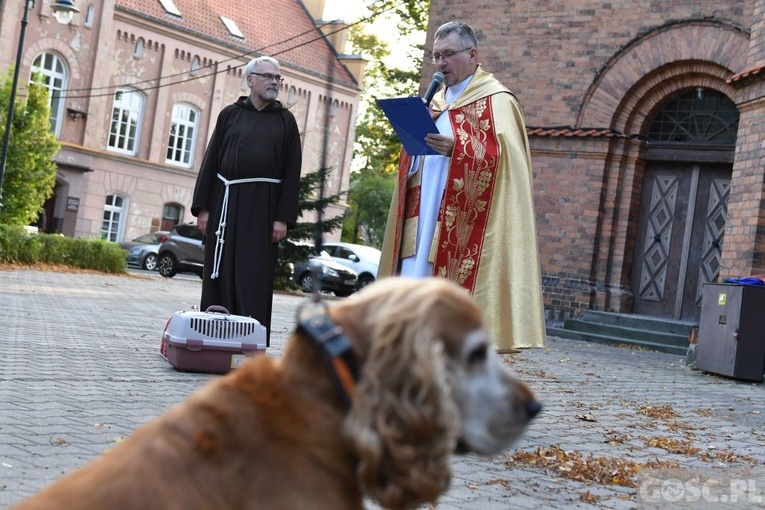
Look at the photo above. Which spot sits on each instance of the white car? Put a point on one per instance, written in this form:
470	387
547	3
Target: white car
363	259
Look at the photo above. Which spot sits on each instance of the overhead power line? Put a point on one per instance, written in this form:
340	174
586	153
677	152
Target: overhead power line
109	90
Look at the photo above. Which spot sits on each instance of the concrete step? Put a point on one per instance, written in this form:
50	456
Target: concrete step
640	322
628	332
665	335
616	340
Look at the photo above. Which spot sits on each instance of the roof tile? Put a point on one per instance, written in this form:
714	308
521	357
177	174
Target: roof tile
749	73
570	132
282	29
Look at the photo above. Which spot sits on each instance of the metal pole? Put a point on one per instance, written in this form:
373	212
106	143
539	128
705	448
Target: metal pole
27	5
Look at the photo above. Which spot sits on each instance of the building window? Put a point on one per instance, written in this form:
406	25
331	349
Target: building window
171	216
138	52
194	65
170	7
183	134
89	16
699	116
233	29
126	117
53	75
112	226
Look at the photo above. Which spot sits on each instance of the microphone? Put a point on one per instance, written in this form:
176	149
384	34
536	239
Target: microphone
438	80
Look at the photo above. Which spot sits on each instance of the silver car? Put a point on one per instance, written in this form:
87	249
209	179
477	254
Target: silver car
334	277
142	251
182	251
362	259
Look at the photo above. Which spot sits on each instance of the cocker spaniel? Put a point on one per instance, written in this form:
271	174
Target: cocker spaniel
325	425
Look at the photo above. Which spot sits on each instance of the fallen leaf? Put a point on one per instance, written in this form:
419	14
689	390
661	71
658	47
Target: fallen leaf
575	466
589	497
660	412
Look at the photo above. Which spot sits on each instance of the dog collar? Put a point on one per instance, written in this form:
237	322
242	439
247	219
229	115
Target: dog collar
336	351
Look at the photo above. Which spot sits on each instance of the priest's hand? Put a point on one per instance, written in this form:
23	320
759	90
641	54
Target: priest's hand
280	231
442	144
204	215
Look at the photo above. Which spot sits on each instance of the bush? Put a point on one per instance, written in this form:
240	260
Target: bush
17	246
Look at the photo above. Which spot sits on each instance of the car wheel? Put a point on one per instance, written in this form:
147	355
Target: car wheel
306	282
150	262
167	266
366	280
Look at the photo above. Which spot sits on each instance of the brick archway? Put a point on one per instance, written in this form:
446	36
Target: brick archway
714	49
50	44
628	91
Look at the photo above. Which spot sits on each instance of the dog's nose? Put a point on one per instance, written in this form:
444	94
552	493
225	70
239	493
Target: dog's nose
532	408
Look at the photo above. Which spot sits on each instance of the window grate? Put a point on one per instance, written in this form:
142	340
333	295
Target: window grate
701	116
222	329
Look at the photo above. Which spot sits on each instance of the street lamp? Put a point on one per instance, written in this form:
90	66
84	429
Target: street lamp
63	11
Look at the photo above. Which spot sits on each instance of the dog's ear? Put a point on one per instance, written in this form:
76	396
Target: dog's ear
404	423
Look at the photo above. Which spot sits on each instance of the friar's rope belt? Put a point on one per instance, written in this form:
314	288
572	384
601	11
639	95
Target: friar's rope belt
220	234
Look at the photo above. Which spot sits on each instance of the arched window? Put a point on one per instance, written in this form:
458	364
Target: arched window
194	65
89	14
112	226
53	74
291	95
183	135
700	116
171	216
138	52
126	120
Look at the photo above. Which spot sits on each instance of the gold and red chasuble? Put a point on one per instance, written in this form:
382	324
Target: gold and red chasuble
467	198
485	239
405	213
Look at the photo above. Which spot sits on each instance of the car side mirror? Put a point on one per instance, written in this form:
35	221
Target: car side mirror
353	257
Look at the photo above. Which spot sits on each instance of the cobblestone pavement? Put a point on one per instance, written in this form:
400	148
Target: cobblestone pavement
80	370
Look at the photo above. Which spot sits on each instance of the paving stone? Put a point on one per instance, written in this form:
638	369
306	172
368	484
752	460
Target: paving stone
81	370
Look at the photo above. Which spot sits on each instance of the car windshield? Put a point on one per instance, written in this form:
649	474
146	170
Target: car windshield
152	238
190	231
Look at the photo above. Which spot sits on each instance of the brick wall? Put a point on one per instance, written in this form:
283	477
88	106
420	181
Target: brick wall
744	249
611	66
549	52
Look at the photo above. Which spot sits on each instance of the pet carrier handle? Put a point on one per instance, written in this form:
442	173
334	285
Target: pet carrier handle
218	309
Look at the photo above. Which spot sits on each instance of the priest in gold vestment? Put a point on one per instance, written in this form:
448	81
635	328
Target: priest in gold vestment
467	214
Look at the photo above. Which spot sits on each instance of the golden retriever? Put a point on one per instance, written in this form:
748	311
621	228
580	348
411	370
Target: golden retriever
275	434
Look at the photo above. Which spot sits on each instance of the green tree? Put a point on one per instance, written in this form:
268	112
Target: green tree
410	15
30	173
377	147
369	200
310	202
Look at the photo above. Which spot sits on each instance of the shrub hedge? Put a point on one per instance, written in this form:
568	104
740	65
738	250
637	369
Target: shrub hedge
18	246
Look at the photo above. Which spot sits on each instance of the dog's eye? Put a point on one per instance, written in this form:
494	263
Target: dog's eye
478	355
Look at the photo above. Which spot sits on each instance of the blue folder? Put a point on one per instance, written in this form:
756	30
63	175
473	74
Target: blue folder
411	121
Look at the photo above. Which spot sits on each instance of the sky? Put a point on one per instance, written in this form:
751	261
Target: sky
383	27
346	10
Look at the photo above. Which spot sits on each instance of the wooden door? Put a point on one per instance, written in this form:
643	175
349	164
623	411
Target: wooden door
680	234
